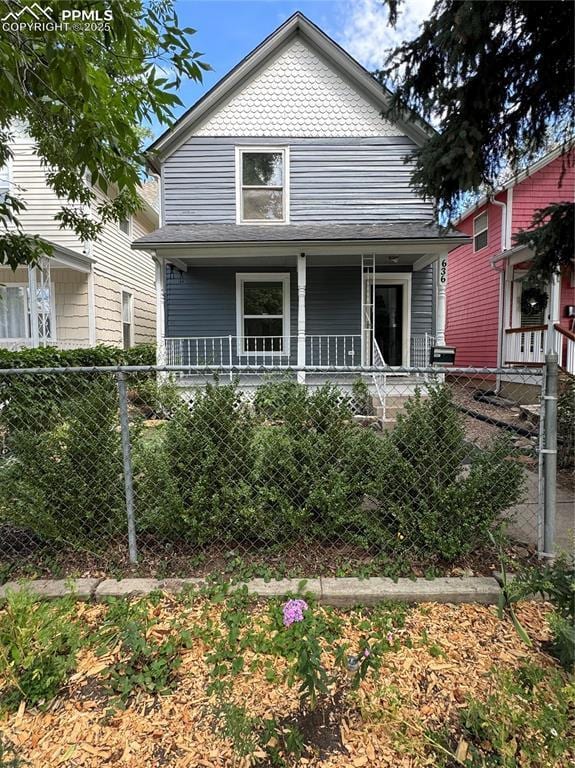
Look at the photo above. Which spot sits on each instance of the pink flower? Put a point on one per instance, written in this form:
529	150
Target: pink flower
366	652
389	638
293	611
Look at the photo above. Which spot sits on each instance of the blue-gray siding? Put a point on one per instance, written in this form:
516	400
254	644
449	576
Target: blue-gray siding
203	302
335	180
422	302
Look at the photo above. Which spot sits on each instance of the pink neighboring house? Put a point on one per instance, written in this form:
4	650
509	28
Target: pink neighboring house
486	320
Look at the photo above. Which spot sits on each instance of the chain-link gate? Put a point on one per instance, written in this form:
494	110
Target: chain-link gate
194	471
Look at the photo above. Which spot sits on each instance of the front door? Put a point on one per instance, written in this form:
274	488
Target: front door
388	322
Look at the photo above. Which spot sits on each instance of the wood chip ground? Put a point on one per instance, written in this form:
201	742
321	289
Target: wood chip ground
384	723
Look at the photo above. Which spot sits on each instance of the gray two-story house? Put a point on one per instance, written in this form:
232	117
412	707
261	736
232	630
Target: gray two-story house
291	235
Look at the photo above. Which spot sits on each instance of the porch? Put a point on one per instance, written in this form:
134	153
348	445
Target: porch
302	311
50	304
536	320
528	346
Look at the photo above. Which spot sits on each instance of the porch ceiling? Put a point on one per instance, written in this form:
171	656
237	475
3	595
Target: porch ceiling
409	240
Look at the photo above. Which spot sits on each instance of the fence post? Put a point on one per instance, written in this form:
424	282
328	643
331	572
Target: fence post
550	454
127	460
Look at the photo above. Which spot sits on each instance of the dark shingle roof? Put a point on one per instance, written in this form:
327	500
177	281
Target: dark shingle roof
173	234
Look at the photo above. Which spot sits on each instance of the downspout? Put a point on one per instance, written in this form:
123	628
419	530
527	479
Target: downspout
505	245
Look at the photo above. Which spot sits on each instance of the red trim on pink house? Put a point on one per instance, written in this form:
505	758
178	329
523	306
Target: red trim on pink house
473	283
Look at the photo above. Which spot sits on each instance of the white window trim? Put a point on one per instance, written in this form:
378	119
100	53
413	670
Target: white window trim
130	227
262	277
286	190
129	293
405	280
20	339
481	231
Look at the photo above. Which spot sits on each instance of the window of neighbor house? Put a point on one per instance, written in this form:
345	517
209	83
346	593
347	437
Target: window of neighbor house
262	186
127	319
4	180
480	231
14	323
263	312
16	316
124	225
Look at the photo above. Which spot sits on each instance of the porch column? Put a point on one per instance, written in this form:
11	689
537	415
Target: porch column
160	310
33	299
91	308
301	285
441	301
554	314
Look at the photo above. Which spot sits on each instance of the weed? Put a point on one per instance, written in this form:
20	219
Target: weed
148	661
38	644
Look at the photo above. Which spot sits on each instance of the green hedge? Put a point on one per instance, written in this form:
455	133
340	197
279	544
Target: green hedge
43	399
101	355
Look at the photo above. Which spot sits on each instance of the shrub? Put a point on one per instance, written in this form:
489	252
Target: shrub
566	422
208	455
40	398
66	483
426	498
38	644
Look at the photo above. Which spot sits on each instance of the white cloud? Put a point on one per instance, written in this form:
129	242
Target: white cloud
362	28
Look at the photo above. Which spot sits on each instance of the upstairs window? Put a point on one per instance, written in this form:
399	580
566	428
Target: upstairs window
262	190
124	225
480	231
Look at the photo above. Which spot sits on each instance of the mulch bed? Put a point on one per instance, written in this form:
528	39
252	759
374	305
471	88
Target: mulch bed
300	560
416	691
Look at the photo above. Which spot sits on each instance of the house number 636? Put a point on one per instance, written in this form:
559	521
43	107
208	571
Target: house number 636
443	271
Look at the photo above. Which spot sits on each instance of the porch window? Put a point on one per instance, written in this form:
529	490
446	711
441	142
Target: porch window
15	314
262	193
127	319
263	312
480	231
14	323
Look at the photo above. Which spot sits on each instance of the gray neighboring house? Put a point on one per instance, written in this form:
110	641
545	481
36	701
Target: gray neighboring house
290	234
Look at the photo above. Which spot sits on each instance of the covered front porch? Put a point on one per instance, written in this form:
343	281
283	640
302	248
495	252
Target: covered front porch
49	304
304	305
534	320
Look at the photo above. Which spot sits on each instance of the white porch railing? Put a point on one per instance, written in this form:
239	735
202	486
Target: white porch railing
525	346
15	344
420	349
341	350
565	349
333	350
229	350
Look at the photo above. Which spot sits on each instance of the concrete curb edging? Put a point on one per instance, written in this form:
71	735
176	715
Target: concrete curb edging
339	592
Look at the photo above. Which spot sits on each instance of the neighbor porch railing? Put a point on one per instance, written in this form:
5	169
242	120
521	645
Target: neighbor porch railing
525	346
15	344
566	349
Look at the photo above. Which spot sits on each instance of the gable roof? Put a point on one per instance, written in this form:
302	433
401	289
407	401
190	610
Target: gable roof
296	25
514	179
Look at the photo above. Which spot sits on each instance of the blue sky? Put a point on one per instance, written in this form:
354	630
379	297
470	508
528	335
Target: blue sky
227	30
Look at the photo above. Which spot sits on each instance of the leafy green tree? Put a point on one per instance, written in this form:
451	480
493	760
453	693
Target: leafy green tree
83	91
497	79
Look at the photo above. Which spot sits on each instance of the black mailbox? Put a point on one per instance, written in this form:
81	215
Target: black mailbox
442	356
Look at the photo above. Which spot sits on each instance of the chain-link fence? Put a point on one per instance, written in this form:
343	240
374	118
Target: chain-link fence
328	471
